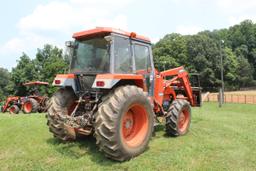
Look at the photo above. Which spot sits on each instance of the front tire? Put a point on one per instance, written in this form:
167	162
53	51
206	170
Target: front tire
178	118
14	109
124	123
30	106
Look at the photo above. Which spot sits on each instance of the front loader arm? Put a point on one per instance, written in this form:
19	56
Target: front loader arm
8	101
180	79
172	72
187	86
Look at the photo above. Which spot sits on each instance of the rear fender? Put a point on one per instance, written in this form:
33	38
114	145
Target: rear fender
108	81
65	80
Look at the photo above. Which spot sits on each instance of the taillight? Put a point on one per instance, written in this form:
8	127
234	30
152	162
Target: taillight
57	81
100	83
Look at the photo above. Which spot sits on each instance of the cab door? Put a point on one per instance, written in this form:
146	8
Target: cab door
143	64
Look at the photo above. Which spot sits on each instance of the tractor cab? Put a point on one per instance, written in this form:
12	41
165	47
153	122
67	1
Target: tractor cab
106	50
34	88
100	57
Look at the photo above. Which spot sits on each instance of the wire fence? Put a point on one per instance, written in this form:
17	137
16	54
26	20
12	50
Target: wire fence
233	98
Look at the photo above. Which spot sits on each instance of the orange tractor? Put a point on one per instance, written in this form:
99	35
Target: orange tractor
34	102
114	92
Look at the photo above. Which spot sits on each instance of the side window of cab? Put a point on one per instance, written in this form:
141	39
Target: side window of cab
142	58
122	55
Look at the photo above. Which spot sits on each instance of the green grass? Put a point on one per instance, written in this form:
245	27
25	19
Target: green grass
219	139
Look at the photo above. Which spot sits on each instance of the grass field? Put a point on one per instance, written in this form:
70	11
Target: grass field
219	139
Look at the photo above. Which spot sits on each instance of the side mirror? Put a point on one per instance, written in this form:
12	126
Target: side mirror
69	50
108	38
70	44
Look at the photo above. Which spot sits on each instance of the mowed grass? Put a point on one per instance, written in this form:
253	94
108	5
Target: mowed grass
219	139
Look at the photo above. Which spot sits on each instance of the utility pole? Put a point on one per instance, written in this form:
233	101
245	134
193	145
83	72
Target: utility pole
222	75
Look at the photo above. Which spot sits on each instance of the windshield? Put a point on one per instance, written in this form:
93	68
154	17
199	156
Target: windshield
91	56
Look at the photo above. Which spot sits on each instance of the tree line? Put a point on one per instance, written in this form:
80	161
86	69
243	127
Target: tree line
200	53
48	62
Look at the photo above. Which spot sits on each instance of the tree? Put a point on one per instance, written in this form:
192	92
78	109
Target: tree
49	61
202	53
231	66
23	72
4	83
245	70
170	52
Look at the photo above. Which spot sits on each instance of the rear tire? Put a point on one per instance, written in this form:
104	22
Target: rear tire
178	118
124	123
14	109
60	103
30	106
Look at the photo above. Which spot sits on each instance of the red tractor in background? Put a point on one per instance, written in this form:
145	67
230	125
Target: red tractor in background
114	92
34	102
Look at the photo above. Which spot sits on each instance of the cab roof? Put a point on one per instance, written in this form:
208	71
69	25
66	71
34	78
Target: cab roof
35	83
107	30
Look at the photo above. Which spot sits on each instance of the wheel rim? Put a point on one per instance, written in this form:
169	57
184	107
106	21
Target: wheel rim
12	109
184	120
135	123
28	107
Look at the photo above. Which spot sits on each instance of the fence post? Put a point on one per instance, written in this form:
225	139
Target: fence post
245	99
231	98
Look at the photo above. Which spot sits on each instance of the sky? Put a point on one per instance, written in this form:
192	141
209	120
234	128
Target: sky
28	25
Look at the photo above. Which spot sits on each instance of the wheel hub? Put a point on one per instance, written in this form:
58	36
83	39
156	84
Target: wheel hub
28	107
135	125
128	124
183	120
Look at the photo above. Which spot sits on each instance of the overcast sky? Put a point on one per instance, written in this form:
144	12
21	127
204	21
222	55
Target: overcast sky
27	25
